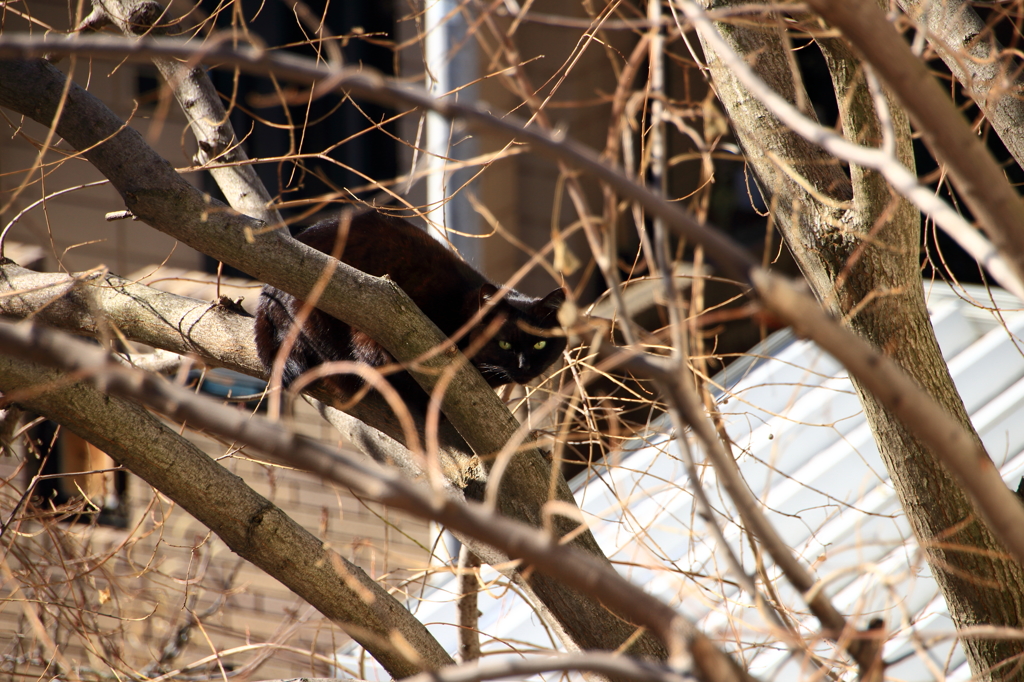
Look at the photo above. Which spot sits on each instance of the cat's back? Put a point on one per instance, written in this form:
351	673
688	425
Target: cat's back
442	285
380	245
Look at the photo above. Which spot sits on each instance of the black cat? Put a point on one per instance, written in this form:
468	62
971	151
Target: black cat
443	286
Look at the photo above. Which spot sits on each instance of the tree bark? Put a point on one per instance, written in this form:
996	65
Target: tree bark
858	244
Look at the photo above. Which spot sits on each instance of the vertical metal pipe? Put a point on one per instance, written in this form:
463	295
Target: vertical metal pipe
450	57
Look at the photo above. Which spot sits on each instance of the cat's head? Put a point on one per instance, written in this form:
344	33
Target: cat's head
528	341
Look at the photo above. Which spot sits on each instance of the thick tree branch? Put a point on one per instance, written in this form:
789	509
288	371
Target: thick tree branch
96	304
990	74
686	645
468	609
248	523
99	305
157	195
218	144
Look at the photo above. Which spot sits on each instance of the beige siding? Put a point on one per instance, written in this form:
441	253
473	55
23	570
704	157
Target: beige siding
76	219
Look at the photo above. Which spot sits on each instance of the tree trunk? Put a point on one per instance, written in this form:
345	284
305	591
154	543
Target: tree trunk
858	244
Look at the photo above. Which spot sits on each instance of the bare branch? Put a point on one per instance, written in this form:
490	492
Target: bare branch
218	143
675	383
918	410
910	404
363	83
157	195
612	665
469	612
219	334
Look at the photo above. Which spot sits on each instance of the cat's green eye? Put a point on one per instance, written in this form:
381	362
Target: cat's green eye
540	344
504	345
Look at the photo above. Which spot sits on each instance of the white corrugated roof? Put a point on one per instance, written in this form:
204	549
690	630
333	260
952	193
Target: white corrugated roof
805	450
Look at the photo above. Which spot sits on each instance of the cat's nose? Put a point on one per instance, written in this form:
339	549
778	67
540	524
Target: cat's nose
522	361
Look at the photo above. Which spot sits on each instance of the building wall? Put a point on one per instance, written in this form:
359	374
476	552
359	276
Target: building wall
71	227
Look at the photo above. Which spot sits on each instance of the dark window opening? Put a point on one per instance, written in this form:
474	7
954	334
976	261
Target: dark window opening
347	142
147	85
79	483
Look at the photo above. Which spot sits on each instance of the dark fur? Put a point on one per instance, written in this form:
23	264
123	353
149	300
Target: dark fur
444	287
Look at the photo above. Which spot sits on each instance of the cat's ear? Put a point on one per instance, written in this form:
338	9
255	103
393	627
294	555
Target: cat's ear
487	291
548	306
